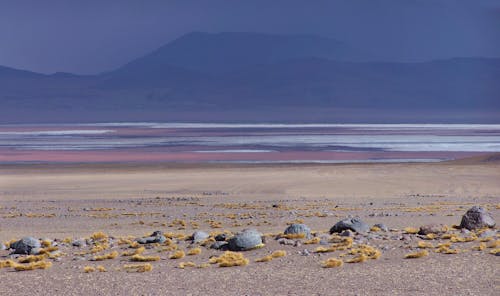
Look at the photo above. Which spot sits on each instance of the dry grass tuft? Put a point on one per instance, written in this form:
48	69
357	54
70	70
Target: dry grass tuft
88	269
293	235
134	252
369	251
312	241
425	245
194	251
178	255
7	263
375	229
101	268
33	266
495	251
47	250
98	236
203	265
264	259
278	253
358	259
229	259
111	255
31	258
481	247
418	254
183	265
46	243
138	267
493	244
140	258
411	230
332	262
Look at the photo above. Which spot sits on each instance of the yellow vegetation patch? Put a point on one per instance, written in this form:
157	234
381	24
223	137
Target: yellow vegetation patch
140	258
481	247
264	259
33	266
425	245
430	236
229	259
358	259
375	229
194	251
203	265
293	235
98	248
31	258
495	251
183	265
99	236
411	230
138	267
332	262
278	253
47	250
46	243
315	240
418	254
369	251
178	255
88	269
111	255
134	252
7	263
493	244
101	268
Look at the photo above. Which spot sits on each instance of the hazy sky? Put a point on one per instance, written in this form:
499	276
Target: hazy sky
97	35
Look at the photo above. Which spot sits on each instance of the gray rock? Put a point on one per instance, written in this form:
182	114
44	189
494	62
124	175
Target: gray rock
221	237
25	245
245	240
477	217
382	227
219	245
488	233
35	251
347	233
299	229
199	236
79	243
286	241
432	228
156	237
3	247
354	224
305	252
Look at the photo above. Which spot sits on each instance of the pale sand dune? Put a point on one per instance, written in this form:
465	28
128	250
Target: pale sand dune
256	182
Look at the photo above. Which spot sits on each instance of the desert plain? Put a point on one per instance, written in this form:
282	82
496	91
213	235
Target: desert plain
62	203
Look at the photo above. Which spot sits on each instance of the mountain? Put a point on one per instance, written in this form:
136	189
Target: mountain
229	51
287	79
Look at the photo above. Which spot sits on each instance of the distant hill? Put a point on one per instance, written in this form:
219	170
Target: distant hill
259	77
230	51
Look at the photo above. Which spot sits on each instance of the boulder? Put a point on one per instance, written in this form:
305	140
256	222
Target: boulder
221	237
382	227
354	224
299	229
432	228
246	240
199	236
155	237
477	217
26	245
219	245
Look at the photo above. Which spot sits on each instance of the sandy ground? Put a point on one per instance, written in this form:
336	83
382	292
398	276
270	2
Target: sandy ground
73	201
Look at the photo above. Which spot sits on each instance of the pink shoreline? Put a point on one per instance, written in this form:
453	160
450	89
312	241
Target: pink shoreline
140	155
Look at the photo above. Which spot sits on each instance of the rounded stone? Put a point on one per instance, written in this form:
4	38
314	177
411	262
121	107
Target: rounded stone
246	240
477	217
25	245
354	224
299	229
199	236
